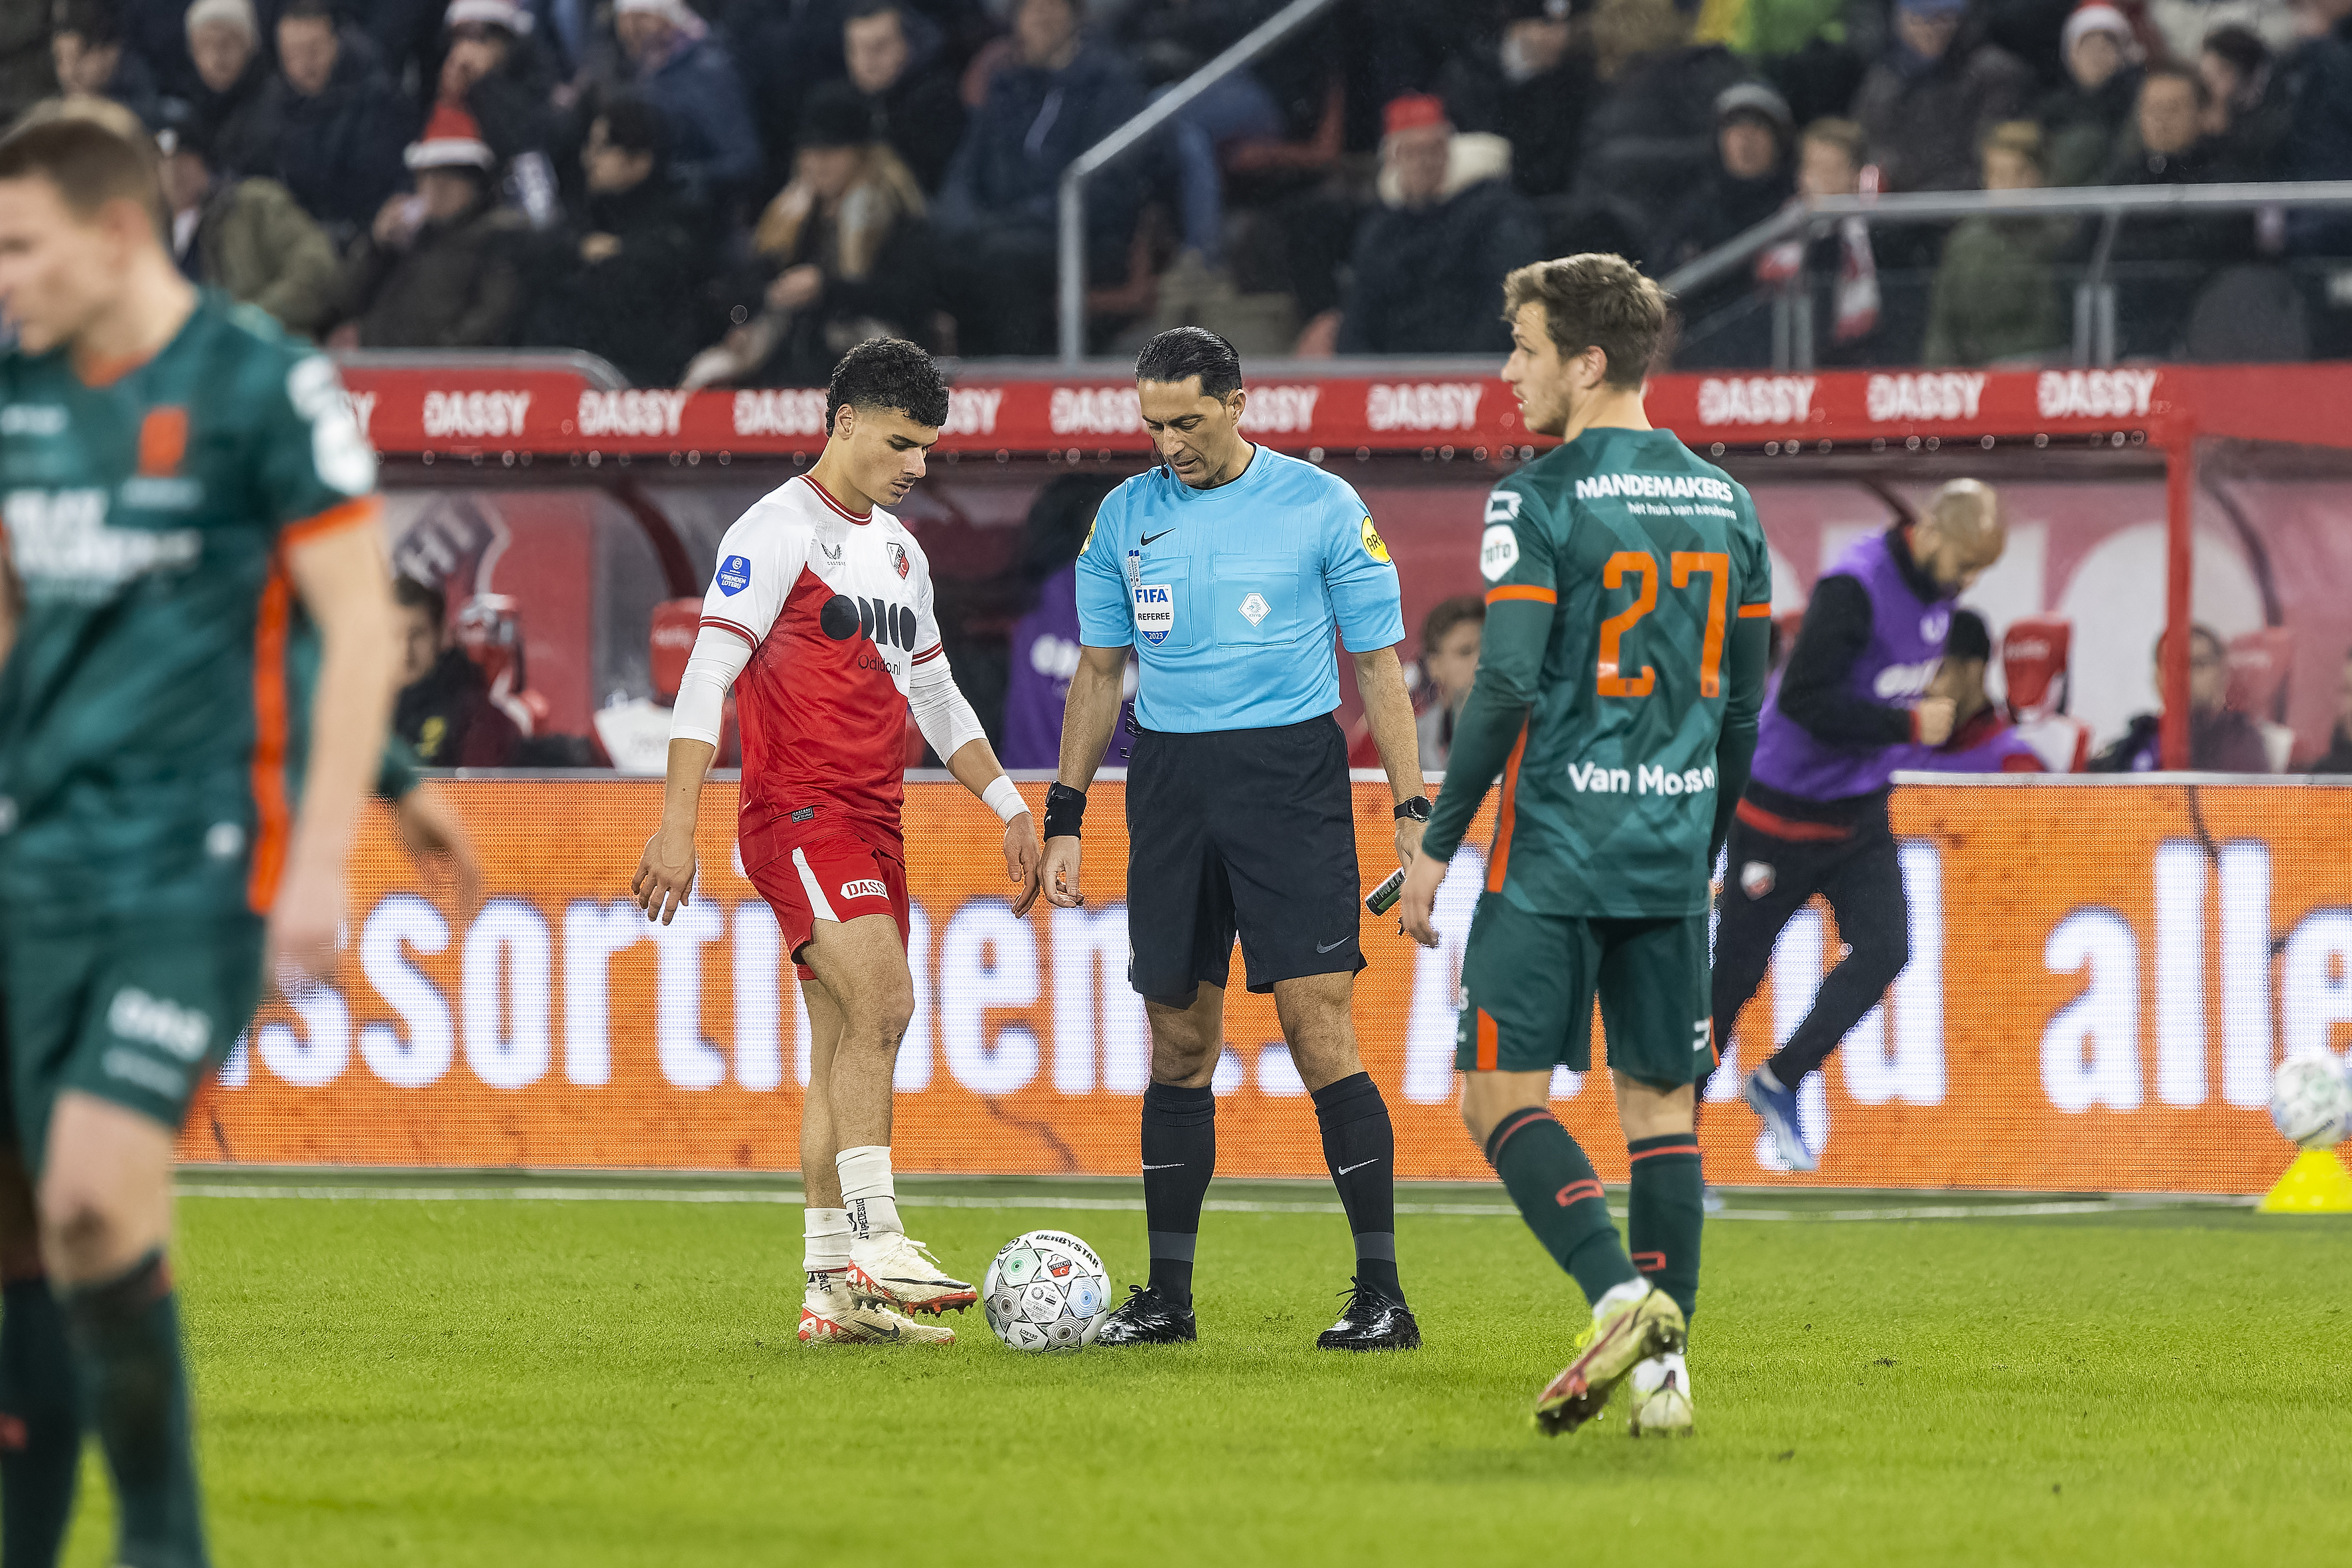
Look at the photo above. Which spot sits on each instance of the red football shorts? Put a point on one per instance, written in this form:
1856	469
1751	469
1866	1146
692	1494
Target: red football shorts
831	875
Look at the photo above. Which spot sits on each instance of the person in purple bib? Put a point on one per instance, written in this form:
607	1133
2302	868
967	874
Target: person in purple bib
1852	708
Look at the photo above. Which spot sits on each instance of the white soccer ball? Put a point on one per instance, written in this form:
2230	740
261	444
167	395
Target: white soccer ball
1047	1290
2311	1101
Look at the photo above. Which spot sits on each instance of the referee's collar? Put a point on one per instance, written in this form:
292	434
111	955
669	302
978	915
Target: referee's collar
1248	475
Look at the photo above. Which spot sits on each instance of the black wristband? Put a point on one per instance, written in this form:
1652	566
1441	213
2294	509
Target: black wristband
1065	812
1415	810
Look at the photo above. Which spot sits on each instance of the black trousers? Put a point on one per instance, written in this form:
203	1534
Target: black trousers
1770	878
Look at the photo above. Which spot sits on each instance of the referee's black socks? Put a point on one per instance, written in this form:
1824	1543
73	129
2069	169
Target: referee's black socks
1359	1147
1180	1156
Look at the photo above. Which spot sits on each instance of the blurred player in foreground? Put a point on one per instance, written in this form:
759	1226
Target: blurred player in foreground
822	608
180	476
1229	567
1855	706
1619	679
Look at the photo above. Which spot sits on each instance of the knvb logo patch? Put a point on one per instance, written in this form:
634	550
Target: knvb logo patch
734	575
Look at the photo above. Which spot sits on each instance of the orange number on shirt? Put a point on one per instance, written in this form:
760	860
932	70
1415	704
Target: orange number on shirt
1611	683
1716	565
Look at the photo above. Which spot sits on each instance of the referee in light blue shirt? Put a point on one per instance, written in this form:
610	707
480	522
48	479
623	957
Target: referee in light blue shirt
1227	569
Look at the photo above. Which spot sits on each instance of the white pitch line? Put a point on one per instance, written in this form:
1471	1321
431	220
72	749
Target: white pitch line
1102	1205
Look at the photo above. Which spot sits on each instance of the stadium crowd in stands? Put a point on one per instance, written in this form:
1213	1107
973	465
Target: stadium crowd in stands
745	187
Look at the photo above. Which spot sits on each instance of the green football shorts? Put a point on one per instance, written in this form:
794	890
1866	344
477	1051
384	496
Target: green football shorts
134	1010
1529	983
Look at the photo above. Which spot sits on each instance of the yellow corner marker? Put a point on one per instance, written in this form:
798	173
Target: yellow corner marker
2317	1182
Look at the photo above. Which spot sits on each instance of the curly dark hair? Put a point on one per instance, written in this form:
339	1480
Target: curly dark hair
892	374
1179	354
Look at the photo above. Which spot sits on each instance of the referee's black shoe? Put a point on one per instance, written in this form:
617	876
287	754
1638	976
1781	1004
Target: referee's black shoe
1149	1317
1372	1320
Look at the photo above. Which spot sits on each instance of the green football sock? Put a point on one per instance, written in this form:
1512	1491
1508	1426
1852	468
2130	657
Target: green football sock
40	1426
1665	1212
126	1339
1561	1199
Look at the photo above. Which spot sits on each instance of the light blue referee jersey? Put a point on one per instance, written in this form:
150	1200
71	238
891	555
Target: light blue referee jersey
1229	596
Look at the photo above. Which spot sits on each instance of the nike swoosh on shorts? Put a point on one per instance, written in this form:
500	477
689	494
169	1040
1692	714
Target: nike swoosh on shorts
1177	1166
1328	946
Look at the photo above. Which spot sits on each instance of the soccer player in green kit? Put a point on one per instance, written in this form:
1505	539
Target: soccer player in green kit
181	482
1618	680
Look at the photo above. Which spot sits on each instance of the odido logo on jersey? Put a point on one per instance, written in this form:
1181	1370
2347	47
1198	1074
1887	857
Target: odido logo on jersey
845	616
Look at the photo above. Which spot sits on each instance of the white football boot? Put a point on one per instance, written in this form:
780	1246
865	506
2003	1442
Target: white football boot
1662	1401
830	1315
889	1268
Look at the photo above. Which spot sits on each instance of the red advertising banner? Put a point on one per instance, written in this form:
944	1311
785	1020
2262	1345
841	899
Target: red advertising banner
2101	984
510	413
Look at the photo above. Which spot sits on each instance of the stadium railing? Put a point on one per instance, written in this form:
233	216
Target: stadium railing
2094	302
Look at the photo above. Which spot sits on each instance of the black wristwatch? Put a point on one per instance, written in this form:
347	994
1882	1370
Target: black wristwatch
1413	810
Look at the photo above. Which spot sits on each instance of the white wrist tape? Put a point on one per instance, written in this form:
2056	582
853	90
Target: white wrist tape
1003	798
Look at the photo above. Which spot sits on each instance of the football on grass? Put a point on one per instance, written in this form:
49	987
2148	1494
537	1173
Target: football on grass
2311	1101
1047	1290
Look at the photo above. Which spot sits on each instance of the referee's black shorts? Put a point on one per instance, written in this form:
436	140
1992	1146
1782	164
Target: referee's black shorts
1247	830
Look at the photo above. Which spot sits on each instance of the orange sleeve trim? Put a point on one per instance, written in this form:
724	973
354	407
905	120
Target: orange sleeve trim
1754	612
1526	590
334	519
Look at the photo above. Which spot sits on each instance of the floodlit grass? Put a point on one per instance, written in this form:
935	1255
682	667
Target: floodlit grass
587	1383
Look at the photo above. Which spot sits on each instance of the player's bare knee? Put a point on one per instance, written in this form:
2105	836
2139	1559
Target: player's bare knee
81	1232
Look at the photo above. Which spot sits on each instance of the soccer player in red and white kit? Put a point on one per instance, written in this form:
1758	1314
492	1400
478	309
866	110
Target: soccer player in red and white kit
820	616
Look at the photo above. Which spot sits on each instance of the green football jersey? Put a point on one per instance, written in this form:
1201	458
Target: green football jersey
1629	588
146	708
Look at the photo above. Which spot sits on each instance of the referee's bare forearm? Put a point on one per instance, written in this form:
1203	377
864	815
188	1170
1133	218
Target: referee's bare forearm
1090	716
1379	680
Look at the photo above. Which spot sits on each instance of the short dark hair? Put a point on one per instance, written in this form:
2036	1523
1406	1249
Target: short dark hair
2241	47
411	594
1447	615
93	151
1179	354
864	10
636	124
310	11
892	374
2159	70
1970	637
1595	301
95	22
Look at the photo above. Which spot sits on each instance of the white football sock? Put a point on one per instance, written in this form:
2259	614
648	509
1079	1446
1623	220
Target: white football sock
1616	1295
824	1245
865	1191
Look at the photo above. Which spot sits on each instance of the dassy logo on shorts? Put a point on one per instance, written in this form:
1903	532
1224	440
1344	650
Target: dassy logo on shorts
135	1015
1155	612
870	887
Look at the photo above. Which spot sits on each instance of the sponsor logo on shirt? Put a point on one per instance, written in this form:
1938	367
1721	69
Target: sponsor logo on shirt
1897	681
135	1015
1422	405
631	413
32	419
1502	506
1756	400
1593	778
734	575
1936	624
1498	549
1374	545
1652	487
61	538
870	887
790	412
1949	395
476	413
2094	394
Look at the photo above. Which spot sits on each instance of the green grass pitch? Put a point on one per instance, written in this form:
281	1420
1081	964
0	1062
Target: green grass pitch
509	1383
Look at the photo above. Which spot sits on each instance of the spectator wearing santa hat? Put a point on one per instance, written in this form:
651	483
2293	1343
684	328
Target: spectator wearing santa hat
676	65
1430	261
2083	121
441	269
